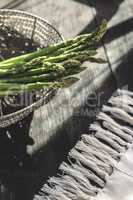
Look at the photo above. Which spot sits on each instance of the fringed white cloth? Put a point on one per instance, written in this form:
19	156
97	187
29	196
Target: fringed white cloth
94	157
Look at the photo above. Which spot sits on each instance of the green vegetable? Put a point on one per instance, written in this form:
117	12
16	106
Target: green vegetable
51	66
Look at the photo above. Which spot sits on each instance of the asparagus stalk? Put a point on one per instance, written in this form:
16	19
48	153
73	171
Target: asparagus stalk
17	88
8	88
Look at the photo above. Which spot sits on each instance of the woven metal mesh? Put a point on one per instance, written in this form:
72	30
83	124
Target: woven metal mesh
40	32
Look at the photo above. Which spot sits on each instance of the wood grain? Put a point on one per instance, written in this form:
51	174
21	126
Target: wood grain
58	125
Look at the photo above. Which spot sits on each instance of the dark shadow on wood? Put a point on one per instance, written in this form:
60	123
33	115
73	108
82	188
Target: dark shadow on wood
83	2
119	30
104	9
126	68
13	153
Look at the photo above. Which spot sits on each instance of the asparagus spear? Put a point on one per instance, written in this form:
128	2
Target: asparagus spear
8	88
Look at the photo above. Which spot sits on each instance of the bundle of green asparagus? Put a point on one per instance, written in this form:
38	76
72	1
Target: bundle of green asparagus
50	67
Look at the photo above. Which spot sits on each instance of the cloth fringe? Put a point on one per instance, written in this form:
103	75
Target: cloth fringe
93	158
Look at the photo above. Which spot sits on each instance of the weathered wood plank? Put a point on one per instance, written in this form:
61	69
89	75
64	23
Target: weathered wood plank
11	4
62	119
69	17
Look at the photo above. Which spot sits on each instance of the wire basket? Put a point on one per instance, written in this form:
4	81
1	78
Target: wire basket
38	31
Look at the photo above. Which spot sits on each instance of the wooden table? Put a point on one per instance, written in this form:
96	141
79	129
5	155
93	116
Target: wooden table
55	127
